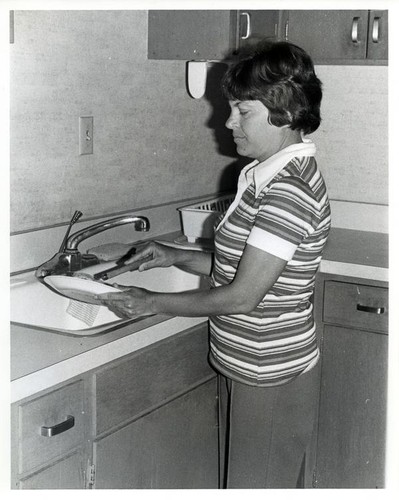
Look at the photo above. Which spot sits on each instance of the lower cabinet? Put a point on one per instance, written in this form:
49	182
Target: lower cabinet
174	446
146	420
351	439
156	417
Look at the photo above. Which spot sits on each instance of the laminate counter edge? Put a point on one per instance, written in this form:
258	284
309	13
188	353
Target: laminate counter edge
60	372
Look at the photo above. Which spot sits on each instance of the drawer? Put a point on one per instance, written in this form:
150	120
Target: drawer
63	475
50	425
356	306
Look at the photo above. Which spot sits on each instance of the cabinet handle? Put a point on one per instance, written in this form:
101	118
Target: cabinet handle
369	309
248	23
355	30
58	428
376	30
286	28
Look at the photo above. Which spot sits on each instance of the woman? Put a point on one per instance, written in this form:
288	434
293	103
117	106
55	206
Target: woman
267	250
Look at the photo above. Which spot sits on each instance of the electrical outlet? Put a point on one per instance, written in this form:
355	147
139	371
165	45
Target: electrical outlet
86	135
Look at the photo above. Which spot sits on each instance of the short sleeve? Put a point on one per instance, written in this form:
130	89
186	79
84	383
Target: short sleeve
288	212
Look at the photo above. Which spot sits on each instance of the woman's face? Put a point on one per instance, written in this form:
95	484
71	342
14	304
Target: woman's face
254	136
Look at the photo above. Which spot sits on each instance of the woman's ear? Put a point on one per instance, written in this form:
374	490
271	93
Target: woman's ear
289	116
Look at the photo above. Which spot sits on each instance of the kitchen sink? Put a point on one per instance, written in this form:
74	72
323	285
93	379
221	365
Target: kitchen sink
35	305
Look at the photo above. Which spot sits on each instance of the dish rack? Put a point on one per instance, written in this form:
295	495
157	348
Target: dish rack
198	220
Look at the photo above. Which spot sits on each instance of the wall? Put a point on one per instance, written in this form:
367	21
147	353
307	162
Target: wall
153	144
352	140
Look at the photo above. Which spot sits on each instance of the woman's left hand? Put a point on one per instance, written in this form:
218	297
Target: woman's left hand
130	303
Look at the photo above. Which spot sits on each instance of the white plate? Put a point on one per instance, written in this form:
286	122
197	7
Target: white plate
78	288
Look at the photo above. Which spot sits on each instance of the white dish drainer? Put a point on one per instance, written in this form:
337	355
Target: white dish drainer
198	219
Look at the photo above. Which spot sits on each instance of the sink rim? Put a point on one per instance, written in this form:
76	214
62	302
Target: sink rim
28	278
100	329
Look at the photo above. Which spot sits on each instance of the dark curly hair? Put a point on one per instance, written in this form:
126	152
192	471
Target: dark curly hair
281	75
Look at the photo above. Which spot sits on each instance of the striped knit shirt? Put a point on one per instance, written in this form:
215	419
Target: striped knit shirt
289	217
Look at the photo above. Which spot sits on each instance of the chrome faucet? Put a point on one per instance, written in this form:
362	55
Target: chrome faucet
68	259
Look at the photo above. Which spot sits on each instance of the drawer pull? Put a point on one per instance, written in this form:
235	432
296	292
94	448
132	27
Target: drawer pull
355	30
248	23
369	309
376	30
58	428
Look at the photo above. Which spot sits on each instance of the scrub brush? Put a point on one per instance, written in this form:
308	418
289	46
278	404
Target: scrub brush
83	311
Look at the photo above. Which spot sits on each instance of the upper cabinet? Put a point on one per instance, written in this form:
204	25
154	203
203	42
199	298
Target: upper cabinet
377	47
207	34
330	36
256	25
339	36
191	34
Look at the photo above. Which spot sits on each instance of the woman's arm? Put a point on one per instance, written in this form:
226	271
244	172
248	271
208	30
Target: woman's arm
256	274
159	255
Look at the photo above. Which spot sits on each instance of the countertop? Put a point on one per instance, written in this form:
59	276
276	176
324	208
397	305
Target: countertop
359	254
41	359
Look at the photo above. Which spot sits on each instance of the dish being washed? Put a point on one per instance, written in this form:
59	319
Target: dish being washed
83	290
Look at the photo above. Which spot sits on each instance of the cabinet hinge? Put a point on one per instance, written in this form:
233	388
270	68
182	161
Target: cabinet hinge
314	479
91	476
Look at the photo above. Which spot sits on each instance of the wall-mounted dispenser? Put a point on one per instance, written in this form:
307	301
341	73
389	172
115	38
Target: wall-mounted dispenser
196	78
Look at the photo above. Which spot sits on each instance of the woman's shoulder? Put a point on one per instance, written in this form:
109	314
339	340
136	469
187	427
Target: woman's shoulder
300	166
300	177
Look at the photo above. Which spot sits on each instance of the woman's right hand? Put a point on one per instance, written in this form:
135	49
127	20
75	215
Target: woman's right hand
154	255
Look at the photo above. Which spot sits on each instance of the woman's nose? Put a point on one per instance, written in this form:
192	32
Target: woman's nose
230	122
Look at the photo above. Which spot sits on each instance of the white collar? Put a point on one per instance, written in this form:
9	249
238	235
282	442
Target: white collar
262	173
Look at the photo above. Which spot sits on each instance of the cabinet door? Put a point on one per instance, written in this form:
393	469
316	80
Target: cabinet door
190	34
139	383
256	25
329	35
352	413
378	35
174	446
65	474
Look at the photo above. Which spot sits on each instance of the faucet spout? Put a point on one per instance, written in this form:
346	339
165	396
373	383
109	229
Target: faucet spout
70	260
141	224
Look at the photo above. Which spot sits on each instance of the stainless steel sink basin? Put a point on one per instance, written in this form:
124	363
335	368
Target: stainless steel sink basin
35	305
